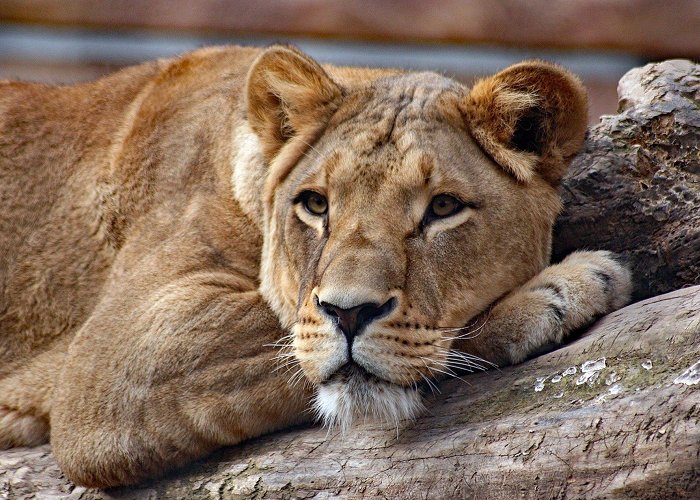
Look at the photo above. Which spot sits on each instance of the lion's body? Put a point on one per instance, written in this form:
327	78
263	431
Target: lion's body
64	149
95	180
143	268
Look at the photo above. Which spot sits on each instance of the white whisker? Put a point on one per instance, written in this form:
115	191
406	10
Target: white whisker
462	366
433	387
468	335
450	374
296	378
471	358
286	366
315	150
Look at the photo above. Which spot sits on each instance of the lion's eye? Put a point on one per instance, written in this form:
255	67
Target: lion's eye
444	205
314	203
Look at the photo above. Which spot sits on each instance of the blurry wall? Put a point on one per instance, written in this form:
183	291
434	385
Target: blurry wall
62	41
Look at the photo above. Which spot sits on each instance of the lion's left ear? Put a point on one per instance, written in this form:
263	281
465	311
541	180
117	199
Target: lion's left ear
287	94
531	118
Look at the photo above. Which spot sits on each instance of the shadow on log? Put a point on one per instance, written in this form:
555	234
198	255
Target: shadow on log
616	413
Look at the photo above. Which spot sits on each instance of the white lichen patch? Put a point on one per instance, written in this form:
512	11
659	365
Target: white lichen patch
612	391
689	377
647	364
612	378
587	378
590	371
593	366
539	383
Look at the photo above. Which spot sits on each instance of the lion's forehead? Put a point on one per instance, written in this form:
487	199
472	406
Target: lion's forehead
394	109
388	172
391	140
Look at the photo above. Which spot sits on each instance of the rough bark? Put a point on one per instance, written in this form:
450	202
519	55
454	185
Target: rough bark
635	189
629	428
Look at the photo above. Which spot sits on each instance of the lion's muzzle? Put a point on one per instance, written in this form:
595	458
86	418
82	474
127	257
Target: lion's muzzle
352	321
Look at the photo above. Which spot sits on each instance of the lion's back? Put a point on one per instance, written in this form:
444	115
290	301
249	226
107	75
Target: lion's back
74	163
53	141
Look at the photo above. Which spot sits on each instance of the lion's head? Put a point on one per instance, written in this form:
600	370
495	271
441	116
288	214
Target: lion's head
395	208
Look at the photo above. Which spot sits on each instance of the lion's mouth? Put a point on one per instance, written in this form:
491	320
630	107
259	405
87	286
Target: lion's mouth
352	393
350	371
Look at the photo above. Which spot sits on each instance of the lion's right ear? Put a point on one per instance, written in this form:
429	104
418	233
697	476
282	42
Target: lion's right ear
287	94
531	118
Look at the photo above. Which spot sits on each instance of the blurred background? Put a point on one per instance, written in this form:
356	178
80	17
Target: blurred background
62	41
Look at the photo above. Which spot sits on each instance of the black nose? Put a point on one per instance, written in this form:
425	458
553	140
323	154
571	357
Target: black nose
352	321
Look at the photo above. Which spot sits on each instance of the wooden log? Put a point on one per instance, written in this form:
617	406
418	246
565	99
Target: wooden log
615	414
635	189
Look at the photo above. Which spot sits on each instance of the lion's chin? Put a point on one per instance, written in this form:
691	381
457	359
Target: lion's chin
353	395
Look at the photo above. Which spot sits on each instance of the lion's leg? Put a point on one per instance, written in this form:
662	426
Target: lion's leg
542	312
25	398
155	381
21	429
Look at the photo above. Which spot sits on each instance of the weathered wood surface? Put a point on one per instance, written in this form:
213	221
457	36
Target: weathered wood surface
635	189
648	27
632	430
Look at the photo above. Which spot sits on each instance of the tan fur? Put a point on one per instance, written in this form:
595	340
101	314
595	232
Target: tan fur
156	264
541	97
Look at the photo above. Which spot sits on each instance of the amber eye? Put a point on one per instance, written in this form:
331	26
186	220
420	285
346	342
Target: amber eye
314	203
444	205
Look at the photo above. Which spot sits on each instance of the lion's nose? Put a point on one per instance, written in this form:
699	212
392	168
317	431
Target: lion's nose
353	320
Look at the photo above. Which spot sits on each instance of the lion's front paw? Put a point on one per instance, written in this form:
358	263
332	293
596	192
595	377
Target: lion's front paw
588	284
562	298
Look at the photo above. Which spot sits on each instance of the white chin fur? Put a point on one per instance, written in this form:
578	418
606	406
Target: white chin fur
343	402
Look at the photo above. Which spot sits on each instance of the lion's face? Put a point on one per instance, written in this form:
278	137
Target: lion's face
387	235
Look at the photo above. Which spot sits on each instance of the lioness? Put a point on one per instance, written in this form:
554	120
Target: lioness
174	232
